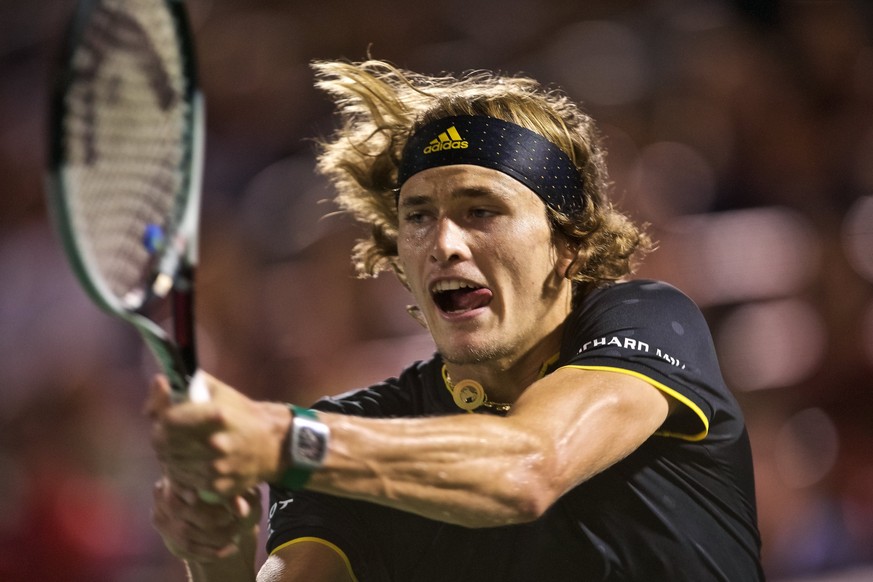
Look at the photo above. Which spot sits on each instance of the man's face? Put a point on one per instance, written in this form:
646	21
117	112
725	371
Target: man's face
479	257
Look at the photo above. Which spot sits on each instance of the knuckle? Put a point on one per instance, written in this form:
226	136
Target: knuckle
224	486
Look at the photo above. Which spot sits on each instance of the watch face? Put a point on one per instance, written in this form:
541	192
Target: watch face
308	443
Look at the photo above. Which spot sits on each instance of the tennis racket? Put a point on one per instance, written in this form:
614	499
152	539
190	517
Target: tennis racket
126	159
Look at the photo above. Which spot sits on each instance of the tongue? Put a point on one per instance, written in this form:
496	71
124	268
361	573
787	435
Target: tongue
467	299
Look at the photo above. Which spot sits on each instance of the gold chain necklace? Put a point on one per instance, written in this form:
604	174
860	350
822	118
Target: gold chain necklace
470	395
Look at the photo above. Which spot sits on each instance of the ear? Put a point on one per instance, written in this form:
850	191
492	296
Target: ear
568	261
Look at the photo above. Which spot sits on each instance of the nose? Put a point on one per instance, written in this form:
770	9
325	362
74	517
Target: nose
449	243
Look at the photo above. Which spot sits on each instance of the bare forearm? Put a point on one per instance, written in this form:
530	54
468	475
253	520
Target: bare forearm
475	471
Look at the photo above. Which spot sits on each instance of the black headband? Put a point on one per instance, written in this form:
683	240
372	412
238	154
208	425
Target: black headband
499	145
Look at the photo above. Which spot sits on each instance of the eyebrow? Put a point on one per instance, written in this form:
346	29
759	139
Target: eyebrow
470	193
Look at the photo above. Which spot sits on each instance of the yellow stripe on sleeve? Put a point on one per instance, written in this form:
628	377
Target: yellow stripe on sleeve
663	388
325	543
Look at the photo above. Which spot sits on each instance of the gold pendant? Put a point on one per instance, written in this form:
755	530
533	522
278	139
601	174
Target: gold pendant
468	394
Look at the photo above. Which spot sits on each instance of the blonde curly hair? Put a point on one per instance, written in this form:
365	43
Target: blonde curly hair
381	106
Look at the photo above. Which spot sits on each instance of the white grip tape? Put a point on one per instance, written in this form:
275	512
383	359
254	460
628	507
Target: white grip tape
198	390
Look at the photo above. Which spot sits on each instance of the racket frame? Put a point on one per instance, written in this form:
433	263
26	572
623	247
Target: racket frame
176	265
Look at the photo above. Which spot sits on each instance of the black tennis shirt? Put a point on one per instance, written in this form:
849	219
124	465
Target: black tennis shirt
680	508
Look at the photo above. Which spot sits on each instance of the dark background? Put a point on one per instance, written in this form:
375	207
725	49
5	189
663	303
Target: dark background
741	131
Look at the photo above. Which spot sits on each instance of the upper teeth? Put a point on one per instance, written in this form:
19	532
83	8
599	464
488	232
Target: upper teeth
452	285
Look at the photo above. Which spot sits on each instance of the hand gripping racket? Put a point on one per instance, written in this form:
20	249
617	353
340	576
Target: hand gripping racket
125	169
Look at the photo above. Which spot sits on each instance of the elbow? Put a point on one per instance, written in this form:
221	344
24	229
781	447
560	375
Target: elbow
522	495
532	489
527	508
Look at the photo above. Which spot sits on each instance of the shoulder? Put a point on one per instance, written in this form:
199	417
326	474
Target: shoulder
644	316
636	303
637	291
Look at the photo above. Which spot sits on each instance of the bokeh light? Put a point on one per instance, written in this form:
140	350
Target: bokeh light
770	344
806	448
742	255
602	62
858	236
867	333
671	179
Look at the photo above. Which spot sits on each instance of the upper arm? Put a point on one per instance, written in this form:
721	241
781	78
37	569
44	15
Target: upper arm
307	560
588	420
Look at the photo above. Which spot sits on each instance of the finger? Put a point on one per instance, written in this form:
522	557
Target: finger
172	443
206	470
247	506
194	476
194	552
253	497
191	436
183	519
187	417
185	543
182	503
217	510
229	485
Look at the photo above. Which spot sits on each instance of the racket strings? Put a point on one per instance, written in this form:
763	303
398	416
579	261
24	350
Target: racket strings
126	124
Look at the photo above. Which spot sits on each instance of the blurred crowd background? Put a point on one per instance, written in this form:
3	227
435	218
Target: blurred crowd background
741	130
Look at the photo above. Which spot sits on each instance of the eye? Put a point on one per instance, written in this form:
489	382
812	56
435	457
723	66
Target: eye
482	212
415	216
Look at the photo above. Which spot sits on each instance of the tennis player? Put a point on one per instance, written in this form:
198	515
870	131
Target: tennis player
573	424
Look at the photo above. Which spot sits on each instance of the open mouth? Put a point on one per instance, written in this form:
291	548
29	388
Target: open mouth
455	296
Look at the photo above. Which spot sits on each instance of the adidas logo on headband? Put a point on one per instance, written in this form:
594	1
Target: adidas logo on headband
450	139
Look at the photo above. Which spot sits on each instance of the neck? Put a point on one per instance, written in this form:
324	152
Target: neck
505	379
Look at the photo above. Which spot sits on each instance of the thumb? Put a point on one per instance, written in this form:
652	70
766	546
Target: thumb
248	505
159	396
